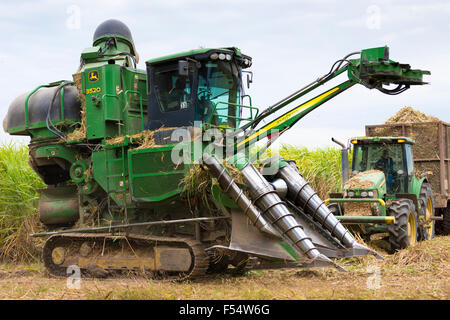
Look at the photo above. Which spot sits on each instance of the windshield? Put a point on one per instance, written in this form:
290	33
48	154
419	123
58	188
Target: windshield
218	92
172	90
384	157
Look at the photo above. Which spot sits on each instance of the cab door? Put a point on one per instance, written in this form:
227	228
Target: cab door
170	95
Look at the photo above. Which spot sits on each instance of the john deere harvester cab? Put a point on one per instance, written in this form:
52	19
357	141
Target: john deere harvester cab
384	195
119	197
202	86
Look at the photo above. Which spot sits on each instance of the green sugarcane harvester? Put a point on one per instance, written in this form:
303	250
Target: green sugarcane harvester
115	203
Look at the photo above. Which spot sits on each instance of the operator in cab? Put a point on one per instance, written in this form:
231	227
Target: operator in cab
386	164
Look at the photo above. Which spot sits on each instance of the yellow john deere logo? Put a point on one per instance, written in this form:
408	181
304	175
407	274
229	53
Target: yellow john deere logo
93	76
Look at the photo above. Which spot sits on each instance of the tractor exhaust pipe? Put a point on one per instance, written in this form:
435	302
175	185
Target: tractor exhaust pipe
302	195
344	161
232	189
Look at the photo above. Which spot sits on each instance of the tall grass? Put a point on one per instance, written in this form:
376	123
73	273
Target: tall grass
18	204
320	167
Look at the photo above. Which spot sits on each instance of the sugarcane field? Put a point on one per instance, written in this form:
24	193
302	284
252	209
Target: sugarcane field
197	154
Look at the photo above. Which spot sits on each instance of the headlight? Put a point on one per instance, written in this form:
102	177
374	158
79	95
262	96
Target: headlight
222	56
363	193
214	56
228	57
370	193
350	193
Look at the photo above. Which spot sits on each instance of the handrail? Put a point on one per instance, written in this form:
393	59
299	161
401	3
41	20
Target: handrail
380	201
26	103
61	94
250	118
53	84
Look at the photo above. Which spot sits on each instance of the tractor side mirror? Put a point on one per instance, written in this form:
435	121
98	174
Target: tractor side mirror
249	78
183	68
187	66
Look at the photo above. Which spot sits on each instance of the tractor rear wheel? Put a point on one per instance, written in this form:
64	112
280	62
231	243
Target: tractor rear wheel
426	200
403	233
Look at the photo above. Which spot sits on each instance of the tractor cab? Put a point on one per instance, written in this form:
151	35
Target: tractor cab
391	155
202	86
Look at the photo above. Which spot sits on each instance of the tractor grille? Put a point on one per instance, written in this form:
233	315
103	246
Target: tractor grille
357	209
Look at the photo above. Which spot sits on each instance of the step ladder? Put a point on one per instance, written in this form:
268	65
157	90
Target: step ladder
121	188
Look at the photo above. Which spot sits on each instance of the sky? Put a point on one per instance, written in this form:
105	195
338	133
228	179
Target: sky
291	42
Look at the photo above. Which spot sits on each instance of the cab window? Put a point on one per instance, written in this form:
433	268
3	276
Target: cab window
173	91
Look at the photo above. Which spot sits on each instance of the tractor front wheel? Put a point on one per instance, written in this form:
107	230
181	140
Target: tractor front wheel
336	208
403	233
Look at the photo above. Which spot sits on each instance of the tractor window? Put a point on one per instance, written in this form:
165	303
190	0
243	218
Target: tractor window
384	157
358	156
172	90
409	160
218	89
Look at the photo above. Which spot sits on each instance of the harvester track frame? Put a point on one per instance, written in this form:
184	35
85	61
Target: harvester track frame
198	267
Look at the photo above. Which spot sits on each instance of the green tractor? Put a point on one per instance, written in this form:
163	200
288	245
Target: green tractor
384	195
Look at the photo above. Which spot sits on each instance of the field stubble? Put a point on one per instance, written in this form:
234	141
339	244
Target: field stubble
421	272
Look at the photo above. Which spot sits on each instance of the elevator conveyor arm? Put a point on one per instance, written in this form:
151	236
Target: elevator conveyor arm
373	69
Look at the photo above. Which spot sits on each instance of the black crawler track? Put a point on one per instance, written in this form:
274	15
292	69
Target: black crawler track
73	241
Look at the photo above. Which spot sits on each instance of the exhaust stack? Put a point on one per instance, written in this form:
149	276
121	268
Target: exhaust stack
344	161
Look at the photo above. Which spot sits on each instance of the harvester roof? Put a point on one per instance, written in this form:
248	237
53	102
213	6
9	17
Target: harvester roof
207	53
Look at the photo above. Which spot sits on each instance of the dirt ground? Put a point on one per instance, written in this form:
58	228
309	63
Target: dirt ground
421	272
